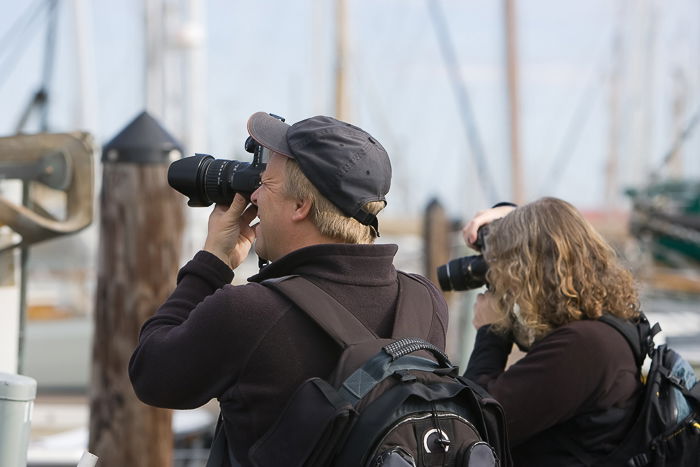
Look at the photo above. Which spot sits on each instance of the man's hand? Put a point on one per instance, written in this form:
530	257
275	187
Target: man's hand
469	232
486	310
229	235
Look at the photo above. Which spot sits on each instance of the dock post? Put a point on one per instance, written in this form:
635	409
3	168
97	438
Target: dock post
141	225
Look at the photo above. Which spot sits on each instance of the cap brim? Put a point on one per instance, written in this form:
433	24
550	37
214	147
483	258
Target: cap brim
270	132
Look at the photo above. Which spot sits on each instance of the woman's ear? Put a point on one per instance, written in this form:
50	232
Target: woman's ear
302	209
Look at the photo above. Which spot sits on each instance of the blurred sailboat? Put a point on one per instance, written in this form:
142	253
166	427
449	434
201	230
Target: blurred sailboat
666	217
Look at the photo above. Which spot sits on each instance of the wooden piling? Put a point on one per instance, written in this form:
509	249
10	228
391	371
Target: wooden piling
141	225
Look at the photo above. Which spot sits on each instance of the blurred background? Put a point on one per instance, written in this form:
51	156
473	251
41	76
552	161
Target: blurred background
476	101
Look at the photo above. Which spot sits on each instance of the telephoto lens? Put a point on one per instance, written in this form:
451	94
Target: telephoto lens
468	272
206	180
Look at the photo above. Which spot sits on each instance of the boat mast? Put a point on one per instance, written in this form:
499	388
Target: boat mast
612	164
342	111
175	68
518	190
680	91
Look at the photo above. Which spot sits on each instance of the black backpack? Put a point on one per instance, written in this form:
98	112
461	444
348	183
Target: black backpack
387	403
666	427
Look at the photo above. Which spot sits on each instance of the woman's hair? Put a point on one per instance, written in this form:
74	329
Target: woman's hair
548	267
329	220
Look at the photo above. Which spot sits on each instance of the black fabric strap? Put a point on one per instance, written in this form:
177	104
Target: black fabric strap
326	311
411	319
639	335
219	451
364	217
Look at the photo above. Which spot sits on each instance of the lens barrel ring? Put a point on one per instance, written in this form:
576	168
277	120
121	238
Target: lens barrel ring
213	185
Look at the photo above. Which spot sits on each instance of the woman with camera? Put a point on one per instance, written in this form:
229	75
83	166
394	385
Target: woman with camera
550	277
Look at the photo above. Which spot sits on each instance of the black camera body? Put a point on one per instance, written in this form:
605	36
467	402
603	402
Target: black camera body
468	272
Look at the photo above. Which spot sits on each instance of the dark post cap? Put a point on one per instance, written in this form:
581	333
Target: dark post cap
143	141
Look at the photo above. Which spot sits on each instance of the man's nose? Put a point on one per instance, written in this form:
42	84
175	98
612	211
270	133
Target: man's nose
254	196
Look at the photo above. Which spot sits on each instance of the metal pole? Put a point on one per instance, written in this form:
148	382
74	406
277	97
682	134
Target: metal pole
24	260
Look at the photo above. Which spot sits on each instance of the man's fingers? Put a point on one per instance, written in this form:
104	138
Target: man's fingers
237	206
246	218
469	232
487	216
219	209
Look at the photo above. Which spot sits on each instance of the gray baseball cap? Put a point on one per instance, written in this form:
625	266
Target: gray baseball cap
345	163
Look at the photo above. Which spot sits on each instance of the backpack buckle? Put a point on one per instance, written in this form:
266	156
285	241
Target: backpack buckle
404	376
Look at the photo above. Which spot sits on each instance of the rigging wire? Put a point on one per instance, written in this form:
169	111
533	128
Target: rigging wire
572	135
16	39
49	55
369	91
486	180
678	142
582	112
378	111
40	97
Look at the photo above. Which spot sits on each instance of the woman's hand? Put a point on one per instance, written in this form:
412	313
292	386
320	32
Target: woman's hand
486	310
229	235
469	232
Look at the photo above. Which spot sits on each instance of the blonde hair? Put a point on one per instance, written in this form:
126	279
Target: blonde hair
329	220
548	267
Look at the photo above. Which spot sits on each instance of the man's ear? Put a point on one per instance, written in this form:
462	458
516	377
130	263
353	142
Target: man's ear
302	209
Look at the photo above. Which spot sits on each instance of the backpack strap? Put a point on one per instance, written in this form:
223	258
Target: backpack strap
345	328
338	322
220	454
638	334
640	337
410	319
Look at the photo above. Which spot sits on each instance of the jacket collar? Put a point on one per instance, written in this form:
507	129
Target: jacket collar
337	262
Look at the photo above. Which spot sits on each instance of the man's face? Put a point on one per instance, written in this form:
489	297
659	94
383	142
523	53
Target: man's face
274	210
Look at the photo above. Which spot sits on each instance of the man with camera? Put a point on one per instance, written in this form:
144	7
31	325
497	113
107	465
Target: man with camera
248	346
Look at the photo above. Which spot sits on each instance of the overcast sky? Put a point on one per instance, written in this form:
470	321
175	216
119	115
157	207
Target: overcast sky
278	56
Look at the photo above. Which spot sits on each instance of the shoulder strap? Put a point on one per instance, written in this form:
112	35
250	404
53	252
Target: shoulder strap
639	334
219	453
411	319
326	311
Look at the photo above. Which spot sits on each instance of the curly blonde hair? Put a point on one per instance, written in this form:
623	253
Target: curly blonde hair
329	220
548	267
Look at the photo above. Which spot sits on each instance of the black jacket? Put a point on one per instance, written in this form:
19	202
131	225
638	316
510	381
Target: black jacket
250	347
578	383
